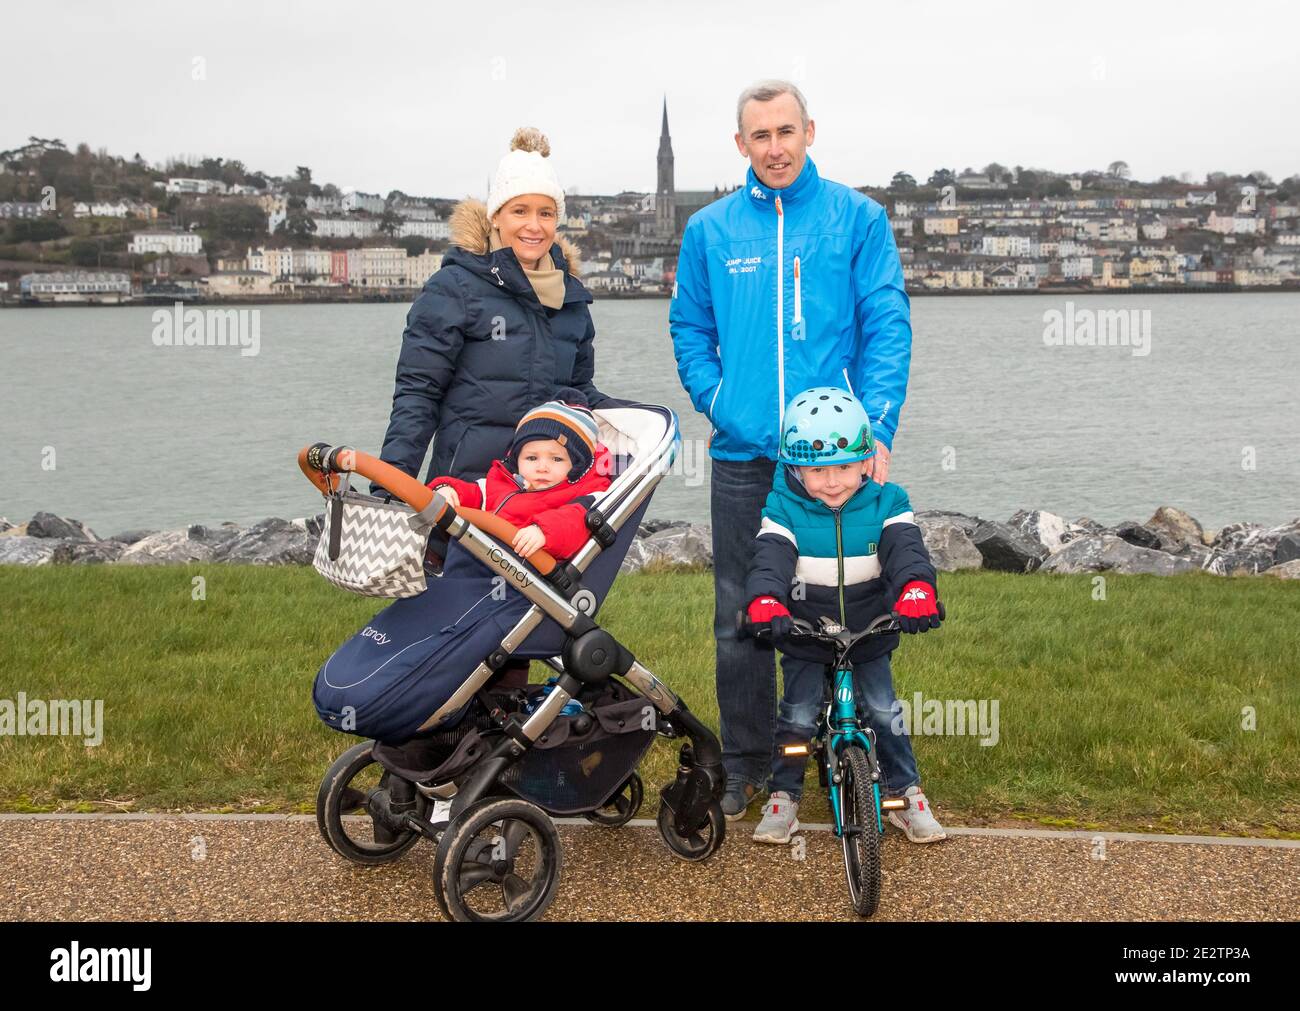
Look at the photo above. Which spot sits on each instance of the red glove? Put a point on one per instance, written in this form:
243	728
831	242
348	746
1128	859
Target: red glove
918	608
767	614
764	609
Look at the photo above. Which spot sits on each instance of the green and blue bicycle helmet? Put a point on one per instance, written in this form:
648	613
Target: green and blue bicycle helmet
825	425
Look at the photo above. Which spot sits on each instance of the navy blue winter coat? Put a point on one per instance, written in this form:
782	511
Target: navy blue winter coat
480	351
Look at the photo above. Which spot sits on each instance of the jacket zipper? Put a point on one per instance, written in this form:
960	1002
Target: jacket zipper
714	401
780	314
502	503
839	561
847	383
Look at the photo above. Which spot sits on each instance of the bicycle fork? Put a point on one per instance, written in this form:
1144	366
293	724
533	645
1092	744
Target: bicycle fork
841	728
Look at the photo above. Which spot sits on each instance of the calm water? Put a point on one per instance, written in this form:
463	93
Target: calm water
995	420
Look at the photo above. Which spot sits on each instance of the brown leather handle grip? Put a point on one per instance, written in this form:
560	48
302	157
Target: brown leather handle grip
504	531
414	494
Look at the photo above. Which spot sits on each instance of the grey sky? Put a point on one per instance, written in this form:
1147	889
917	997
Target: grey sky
423	97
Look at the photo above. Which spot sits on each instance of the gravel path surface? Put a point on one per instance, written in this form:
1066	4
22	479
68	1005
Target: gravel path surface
167	869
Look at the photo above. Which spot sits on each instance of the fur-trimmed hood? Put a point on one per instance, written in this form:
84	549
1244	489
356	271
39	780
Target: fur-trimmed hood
471	229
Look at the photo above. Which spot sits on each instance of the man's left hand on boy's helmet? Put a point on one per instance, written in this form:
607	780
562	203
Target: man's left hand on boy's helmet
879	464
918	608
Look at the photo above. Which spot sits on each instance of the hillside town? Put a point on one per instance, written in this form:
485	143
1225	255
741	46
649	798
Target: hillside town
87	227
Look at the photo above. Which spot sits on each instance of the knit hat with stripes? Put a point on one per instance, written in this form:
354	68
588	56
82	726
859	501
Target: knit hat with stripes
573	427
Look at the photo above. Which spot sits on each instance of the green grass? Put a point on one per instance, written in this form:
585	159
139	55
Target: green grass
1123	713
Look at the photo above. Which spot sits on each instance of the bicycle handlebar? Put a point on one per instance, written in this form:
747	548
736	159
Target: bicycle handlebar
322	464
802	629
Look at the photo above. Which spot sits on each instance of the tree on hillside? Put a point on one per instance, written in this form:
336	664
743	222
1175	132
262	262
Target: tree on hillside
389	222
1118	170
298	226
902	182
84	252
941	177
239	223
413	244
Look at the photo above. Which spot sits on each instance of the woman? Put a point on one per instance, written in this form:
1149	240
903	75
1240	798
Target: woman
502	327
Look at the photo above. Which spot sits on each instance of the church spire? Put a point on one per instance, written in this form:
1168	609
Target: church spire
665	210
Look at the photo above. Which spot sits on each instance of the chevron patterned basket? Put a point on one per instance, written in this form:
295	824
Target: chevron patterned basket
372	547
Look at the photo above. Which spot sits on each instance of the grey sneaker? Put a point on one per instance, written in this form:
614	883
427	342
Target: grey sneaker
736	799
918	821
780	819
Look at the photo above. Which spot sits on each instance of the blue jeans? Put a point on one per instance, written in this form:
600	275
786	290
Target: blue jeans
873	695
746	670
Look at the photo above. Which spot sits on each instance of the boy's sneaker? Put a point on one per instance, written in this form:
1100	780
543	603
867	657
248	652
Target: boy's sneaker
780	819
918	821
736	799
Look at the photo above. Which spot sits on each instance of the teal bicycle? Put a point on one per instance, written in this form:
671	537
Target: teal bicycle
845	753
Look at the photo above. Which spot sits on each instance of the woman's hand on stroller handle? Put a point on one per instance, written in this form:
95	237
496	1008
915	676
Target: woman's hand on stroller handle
322	464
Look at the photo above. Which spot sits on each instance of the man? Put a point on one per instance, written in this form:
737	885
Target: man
789	283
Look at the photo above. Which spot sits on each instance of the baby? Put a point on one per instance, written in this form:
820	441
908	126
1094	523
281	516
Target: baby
545	484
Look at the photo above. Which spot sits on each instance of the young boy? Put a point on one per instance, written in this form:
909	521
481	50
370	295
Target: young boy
545	484
835	543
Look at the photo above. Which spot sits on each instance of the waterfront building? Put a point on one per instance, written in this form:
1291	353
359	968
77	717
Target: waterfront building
345	228
187	243
20	209
371	203
104	286
425	229
227	283
201	186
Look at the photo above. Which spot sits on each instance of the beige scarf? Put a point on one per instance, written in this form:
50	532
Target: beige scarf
547	282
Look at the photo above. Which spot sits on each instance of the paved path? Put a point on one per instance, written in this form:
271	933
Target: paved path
278	868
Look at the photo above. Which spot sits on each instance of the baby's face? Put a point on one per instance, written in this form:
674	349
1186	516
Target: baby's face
543	463
833	483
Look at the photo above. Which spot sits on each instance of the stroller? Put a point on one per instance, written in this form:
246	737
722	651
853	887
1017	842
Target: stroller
506	762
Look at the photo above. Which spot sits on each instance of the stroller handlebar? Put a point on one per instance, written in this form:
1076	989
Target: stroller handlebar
503	530
322	464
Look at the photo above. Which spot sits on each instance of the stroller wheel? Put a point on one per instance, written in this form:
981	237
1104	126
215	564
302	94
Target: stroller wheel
346	790
622	807
499	860
699	844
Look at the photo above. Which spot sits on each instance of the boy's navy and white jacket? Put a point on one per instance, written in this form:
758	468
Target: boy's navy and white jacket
849	564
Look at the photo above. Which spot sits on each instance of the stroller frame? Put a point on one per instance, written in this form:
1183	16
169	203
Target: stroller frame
690	818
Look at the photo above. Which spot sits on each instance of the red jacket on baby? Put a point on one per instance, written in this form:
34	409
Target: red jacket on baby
560	512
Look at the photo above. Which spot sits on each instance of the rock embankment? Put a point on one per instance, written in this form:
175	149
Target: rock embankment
1169	542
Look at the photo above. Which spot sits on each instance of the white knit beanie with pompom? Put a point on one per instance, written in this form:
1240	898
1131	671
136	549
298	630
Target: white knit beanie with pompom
526	170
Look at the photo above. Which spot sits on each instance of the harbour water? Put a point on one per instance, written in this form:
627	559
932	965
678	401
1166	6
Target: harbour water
101	424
